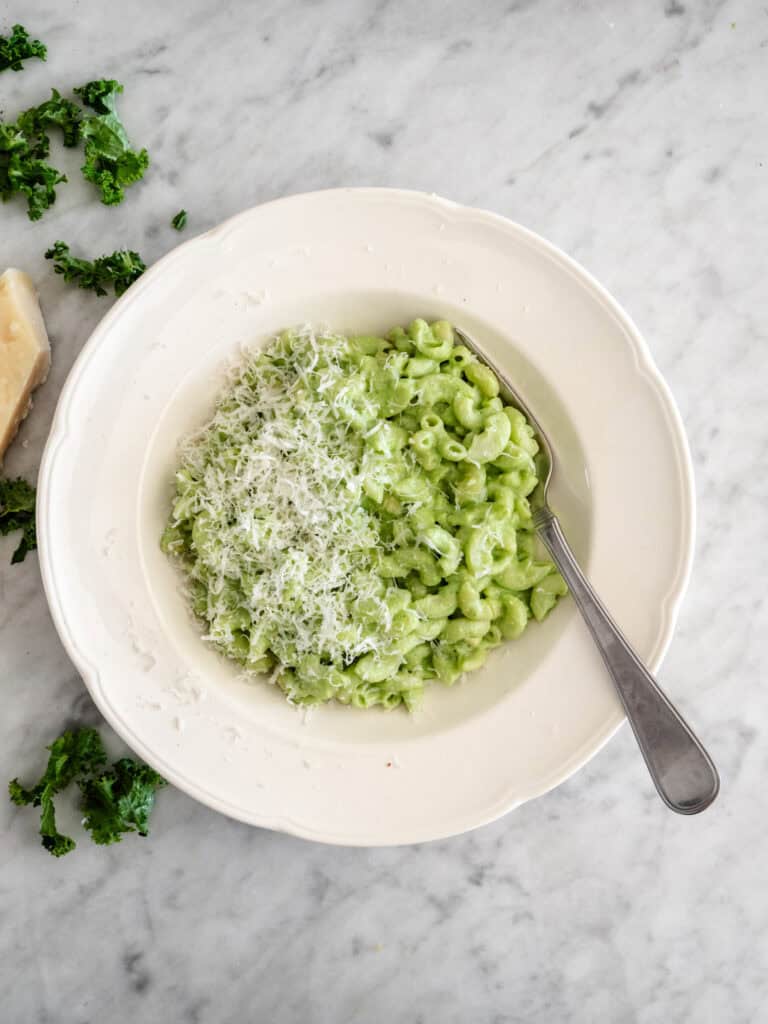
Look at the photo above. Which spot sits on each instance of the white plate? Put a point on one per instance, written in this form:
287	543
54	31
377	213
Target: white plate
360	260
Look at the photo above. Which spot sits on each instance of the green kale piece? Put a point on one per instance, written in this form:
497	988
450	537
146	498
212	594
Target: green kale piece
74	753
120	269
19	47
17	512
110	162
119	800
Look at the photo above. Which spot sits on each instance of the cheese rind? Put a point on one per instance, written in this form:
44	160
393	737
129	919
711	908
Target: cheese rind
25	352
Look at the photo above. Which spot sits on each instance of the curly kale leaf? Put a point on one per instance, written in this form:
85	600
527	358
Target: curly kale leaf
19	47
17	512
59	112
119	800
24	172
110	162
72	754
120	269
100	95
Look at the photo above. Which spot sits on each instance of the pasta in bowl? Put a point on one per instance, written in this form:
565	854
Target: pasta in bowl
354	520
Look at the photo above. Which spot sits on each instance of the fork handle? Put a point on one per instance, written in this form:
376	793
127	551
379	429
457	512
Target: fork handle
681	769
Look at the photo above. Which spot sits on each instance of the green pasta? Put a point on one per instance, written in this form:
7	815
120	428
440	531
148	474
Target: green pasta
355	520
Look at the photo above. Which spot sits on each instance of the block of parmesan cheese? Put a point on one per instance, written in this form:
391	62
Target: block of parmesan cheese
25	353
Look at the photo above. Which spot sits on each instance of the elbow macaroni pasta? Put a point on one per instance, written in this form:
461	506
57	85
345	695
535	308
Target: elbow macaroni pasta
355	518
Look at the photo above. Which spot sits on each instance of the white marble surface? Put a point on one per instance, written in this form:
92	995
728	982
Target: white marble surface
633	134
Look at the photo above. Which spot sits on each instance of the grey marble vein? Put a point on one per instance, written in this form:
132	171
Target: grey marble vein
634	136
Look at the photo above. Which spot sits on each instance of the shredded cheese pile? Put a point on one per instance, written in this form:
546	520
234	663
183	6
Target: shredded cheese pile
283	547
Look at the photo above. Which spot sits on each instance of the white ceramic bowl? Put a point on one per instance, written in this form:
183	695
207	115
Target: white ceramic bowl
360	260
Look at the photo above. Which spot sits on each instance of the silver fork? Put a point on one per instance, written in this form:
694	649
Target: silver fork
681	769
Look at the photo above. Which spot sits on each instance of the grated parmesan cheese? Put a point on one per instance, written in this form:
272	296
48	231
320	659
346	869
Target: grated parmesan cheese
273	488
